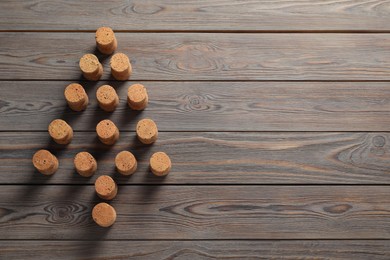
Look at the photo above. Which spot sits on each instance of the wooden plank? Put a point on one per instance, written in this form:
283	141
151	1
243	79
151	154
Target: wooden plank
204	56
139	15
199	212
208	106
213	158
322	249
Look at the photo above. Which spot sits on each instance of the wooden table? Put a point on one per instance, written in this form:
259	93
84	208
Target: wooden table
276	115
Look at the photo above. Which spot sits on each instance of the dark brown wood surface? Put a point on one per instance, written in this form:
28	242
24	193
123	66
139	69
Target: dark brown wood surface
235	250
204	56
199	212
208	106
225	15
276	115
212	158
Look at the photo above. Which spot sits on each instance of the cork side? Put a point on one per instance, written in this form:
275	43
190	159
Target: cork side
107	132
105	40
107	98
103	214
45	162
160	164
60	131
76	97
147	131
106	187
137	97
125	163
85	164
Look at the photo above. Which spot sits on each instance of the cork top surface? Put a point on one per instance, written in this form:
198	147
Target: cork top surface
103	214
106	129
146	128
89	63
105	185
104	36
84	161
119	62
137	93
125	161
59	129
74	93
160	163
106	94
43	160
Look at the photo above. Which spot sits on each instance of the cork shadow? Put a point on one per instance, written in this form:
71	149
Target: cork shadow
128	116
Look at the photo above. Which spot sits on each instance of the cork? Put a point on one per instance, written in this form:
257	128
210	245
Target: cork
147	131
103	214
107	98
106	187
160	164
120	66
45	162
105	40
107	132
60	131
137	97
76	97
125	163
91	67
85	164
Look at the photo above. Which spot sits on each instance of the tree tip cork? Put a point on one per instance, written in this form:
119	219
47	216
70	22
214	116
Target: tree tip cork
160	164
104	215
45	162
137	97
60	131
106	187
85	164
76	97
105	40
120	66
107	98
147	131
107	132
91	67
125	163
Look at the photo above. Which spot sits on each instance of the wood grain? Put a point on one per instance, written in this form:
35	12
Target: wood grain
208	106
204	56
212	158
321	249
139	15
199	212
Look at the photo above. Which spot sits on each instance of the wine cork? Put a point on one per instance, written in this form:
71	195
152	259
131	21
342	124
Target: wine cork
107	132
103	214
107	98
125	163
85	164
106	187
91	67
60	131
160	164
105	40
45	162
76	97
137	97
147	131
120	66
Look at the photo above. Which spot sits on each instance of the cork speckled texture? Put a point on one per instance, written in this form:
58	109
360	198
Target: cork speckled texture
91	68
45	162
147	131
160	164
104	214
126	163
107	98
137	97
85	164
60	131
105	40
76	97
120	66
106	187
107	132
